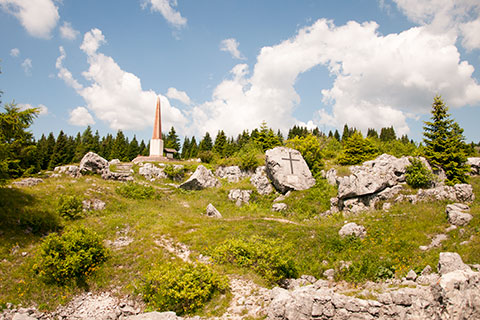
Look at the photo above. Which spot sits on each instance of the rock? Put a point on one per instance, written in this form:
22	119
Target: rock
155	315
411	275
260	181
202	178
27	182
95	204
373	176
239	196
278	207
22	316
474	165
150	171
331	177
352	229
386	206
329	274
114	161
69	170
449	262
232	173
436	242
93	163
282	197
212	211
287	169
116	176
459	193
456	214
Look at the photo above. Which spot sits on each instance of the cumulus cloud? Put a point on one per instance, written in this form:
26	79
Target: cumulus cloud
181	96
231	45
80	117
14	52
42	109
378	80
68	32
461	17
38	17
114	95
166	9
27	66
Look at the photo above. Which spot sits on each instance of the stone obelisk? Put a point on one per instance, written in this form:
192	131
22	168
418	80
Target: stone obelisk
156	143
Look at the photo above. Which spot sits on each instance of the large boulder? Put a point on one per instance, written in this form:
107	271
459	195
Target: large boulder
231	173
260	181
458	215
373	176
287	170
202	178
93	163
459	193
451	261
474	165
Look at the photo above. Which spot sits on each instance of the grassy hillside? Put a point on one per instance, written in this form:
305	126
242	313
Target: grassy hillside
391	246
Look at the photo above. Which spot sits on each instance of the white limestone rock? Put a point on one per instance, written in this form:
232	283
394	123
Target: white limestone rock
213	212
202	178
458	215
240	196
474	165
449	262
352	229
260	181
69	170
231	173
93	163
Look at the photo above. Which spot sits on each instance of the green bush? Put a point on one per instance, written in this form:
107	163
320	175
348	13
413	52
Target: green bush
134	190
206	156
73	256
267	257
417	175
174	172
182	289
311	151
357	150
69	207
368	267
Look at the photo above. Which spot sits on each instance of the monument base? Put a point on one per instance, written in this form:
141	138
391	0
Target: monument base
156	147
150	159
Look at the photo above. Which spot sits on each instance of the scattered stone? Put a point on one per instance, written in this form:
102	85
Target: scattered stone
151	171
329	274
386	206
260	181
22	316
474	165
240	196
27	182
457	214
178	249
451	228
411	275
212	211
114	161
278	207
451	261
282	197
232	173
287	169
116	176
154	315
436	242
93	163
93	204
331	177
202	178
352	229
69	170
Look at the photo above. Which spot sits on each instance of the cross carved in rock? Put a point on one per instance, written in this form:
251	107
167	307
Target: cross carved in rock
291	161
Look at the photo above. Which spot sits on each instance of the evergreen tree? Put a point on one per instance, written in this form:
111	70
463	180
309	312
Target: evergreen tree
347	132
337	135
445	144
220	143
193	148
186	148
133	149
280	136
60	152
230	148
372	133
51	141
106	146
267	139
143	149
357	150
206	144
172	141
42	153
387	134
119	147
330	134
243	139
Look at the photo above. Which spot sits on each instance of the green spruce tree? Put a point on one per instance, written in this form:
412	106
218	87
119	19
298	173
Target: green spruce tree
357	150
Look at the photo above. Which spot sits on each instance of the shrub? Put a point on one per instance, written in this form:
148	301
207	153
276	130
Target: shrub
73	256
174	172
368	267
135	191
267	257
357	150
69	207
206	156
251	156
417	175
183	288
311	151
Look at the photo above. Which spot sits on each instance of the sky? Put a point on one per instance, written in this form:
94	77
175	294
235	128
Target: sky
230	65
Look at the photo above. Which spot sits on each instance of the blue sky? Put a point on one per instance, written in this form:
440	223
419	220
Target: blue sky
232	64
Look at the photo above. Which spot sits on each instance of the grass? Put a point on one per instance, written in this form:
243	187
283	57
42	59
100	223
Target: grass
393	238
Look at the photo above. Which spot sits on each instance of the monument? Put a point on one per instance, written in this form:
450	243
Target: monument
156	143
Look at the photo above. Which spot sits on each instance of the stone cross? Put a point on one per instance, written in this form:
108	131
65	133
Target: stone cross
291	161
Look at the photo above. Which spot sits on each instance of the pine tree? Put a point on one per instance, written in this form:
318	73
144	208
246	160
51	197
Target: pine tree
60	151
193	148
143	149
120	147
133	149
347	132
206	144
357	150
42	152
336	135
171	140
185	148
372	133
387	134
445	146
220	143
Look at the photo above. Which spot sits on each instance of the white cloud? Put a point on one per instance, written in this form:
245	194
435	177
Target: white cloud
42	109
38	17
231	45
68	32
14	52
460	17
27	66
165	7
181	96
378	80
80	117
114	95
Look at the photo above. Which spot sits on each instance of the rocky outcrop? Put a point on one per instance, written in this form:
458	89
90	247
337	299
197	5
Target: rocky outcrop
27	182
202	178
213	212
116	176
457	193
260	181
474	165
458	215
151	172
93	163
239	196
352	229
287	170
453	294
232	173
69	170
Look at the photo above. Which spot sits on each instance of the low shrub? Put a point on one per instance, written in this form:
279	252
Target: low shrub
174	172
72	256
417	175
368	267
181	288
134	190
69	207
267	257
206	156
